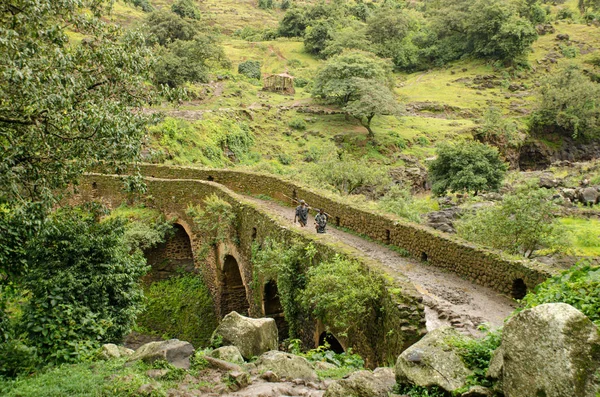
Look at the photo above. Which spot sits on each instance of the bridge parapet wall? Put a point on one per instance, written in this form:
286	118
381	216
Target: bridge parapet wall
400	323
475	263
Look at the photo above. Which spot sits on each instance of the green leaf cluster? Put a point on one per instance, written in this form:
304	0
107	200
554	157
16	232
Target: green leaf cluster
215	220
250	69
521	224
468	166
341	293
578	286
186	9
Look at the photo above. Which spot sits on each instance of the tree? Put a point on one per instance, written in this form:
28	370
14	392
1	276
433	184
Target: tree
317	36
523	223
351	37
372	99
83	285
186	9
293	23
469	166
165	27
189	61
337	81
568	104
250	69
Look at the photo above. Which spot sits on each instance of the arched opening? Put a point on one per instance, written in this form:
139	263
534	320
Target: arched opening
337	221
254	233
210	178
519	289
388	237
272	307
331	340
423	257
94	185
167	258
233	297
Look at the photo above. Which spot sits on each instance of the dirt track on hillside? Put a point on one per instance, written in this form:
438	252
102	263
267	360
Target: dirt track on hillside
448	299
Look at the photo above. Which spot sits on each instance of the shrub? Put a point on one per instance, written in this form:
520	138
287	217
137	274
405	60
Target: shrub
144	5
186	9
470	166
341	293
83	284
301	82
399	200
578	286
523	223
348	176
250	69
297	123
165	27
180	307
285	158
215	219
265	4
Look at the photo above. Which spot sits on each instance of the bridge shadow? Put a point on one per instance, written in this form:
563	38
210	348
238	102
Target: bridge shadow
233	290
170	257
272	308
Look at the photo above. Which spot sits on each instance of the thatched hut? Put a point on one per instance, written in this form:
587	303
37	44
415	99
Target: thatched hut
283	83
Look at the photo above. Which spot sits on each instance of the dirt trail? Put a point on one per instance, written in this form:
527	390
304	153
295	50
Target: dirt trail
448	299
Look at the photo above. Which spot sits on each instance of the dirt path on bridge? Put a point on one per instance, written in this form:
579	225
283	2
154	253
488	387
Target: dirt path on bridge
448	299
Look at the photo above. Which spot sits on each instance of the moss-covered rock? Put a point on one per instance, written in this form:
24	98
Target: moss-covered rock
378	383
252	336
287	366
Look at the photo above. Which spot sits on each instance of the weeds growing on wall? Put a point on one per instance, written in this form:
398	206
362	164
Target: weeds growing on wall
285	264
180	307
145	227
214	219
341	293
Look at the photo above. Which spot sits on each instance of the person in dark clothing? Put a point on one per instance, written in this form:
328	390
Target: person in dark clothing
321	221
302	213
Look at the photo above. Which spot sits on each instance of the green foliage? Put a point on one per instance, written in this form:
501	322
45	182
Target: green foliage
83	285
297	123
339	80
568	105
17	359
186	9
204	141
420	391
497	130
372	98
285	264
145	228
399	201
215	219
341	293
578	286
189	61
346	362
523	223
143	4
293	23
316	36
165	27
250	69
347	176
477	354
470	166
180	307
352	37
265	4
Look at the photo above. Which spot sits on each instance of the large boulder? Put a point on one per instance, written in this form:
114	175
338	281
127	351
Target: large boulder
589	195
174	351
378	383
252	336
551	350
286	365
433	361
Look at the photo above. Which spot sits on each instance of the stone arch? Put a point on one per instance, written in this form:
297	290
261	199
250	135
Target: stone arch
334	343
272	308
174	254
233	289
519	288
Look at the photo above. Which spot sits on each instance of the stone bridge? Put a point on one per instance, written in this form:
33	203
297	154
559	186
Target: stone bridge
228	270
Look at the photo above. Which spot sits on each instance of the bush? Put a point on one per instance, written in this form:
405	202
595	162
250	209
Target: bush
348	176
144	5
83	284
180	307
341	293
17	359
400	201
470	166
250	69
186	9
265	4
568	104
578	286
297	123
523	223
165	27
301	82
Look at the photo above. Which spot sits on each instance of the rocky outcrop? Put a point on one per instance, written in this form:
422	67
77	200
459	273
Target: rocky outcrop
378	383
252	336
110	350
286	365
537	155
589	196
551	350
228	353
433	361
174	351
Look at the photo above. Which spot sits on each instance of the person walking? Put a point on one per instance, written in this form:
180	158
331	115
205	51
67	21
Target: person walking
302	213
321	221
